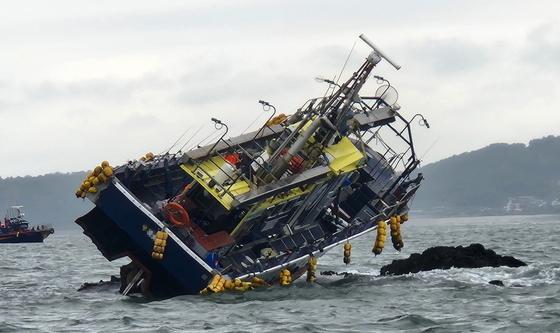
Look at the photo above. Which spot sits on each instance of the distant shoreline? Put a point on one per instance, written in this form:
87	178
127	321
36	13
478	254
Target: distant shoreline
419	214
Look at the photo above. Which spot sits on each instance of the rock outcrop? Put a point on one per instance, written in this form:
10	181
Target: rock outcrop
498	283
113	282
446	257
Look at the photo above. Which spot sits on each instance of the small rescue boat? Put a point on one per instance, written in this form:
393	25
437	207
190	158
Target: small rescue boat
15	229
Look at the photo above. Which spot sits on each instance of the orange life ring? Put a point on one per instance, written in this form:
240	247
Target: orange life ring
177	214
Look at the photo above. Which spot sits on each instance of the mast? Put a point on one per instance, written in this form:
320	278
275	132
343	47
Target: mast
328	120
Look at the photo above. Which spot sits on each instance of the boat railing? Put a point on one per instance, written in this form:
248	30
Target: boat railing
403	162
232	178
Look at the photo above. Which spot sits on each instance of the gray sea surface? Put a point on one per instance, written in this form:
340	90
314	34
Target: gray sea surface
39	282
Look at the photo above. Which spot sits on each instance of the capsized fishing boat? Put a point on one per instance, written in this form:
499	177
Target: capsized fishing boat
260	208
15	229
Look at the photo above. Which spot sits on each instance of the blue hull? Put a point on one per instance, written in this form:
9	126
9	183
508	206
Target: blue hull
181	270
121	226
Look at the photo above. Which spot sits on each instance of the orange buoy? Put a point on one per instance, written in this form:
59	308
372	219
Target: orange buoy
177	214
233	159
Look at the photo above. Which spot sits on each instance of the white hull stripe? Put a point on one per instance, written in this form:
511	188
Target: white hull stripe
190	252
315	253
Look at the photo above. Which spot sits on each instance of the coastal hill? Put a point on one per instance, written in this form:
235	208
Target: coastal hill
498	179
47	199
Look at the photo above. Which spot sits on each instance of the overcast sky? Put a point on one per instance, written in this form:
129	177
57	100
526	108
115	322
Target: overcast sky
85	81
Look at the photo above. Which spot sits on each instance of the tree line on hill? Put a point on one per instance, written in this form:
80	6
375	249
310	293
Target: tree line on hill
500	178
47	199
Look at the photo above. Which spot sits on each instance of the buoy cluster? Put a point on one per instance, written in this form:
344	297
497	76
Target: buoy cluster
285	277
148	157
99	175
380	238
347	252
220	283
396	236
311	268
160	242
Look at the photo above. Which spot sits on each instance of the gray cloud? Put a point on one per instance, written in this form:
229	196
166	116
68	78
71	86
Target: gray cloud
80	80
450	56
107	89
220	83
542	48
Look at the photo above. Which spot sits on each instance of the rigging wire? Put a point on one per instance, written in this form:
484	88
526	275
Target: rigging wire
209	136
429	149
192	136
176	142
332	86
346	62
251	124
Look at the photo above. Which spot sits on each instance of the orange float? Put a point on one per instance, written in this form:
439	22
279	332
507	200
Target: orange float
177	214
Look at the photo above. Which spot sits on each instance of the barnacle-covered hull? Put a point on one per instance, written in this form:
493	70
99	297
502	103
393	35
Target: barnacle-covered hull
259	208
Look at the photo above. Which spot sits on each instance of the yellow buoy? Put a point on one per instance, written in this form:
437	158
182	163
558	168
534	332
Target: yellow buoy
258	281
380	238
285	277
108	171
102	178
97	171
396	236
311	268
92	189
161	235
228	284
347	253
104	164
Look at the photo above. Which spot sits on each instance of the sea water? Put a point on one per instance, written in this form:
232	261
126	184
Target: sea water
39	282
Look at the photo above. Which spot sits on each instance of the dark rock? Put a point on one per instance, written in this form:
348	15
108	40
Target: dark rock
446	257
497	283
331	273
114	282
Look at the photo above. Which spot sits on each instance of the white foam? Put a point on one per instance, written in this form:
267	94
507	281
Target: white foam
523	276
